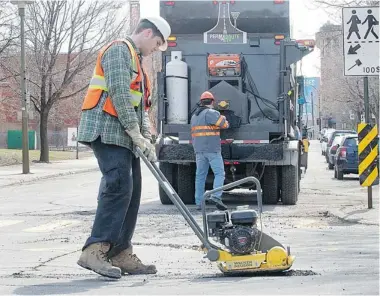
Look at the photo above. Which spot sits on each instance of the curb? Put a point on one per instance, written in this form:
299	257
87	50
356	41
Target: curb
342	216
51	176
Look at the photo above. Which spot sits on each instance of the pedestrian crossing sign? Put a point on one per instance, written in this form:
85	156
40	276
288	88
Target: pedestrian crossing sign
361	41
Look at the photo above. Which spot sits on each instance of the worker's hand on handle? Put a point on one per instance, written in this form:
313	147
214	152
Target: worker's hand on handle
144	144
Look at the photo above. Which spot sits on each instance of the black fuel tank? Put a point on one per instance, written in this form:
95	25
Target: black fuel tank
244	217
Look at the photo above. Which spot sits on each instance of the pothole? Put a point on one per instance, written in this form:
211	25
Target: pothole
60	239
299	272
82	213
170	275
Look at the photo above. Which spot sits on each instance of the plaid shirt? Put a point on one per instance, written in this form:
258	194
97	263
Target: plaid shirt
117	66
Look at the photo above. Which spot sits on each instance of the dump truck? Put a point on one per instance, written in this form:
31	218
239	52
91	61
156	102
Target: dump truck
242	52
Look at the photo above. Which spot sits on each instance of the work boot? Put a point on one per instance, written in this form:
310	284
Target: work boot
130	263
218	203
94	258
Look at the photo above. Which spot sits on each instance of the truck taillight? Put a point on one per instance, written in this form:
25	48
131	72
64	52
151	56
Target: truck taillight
279	1
231	162
169	3
172	44
343	152
278	39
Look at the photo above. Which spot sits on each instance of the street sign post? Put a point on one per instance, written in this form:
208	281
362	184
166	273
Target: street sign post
368	157
361	41
361	58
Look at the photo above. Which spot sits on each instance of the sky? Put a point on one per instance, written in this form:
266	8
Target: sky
306	20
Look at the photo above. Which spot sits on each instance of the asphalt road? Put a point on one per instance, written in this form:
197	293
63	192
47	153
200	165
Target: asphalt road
43	226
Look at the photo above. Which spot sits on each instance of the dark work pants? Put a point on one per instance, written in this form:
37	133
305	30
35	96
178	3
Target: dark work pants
119	197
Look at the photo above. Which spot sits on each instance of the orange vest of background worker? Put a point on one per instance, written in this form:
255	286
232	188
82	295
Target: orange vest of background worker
98	84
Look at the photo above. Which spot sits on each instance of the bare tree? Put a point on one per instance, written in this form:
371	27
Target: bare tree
338	4
9	33
63	39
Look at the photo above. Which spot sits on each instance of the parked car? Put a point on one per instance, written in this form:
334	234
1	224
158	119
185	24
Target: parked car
346	157
332	137
331	153
325	138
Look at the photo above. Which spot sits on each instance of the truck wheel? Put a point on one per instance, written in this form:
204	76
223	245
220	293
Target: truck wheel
270	185
186	183
170	172
289	185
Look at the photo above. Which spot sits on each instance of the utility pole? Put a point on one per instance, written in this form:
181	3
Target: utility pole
24	109
312	112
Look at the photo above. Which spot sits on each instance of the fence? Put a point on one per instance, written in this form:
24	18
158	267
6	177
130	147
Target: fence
58	141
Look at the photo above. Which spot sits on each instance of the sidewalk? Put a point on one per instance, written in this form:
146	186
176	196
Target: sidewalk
360	213
12	175
350	202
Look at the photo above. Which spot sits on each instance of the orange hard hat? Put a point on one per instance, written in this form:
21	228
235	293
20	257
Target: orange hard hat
207	95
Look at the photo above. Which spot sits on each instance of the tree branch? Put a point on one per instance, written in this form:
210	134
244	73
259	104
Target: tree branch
74	93
35	103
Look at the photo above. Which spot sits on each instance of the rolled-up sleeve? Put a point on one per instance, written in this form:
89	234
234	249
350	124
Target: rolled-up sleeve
116	63
213	117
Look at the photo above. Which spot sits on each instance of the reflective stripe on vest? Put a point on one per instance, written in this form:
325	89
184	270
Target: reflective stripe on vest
204	131
98	84
205	134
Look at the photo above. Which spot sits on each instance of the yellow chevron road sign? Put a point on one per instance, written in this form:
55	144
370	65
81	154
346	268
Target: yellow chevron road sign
368	154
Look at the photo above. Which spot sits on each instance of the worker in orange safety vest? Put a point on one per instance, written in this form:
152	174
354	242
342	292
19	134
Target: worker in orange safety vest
206	124
113	122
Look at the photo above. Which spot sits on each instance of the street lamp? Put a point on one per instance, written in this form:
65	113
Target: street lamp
25	143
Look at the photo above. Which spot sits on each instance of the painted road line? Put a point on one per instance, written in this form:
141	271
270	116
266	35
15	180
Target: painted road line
4	223
60	224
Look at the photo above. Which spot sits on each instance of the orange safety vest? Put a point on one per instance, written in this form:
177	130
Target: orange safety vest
98	84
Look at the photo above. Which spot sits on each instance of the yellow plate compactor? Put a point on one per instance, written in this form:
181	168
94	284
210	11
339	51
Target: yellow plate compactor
241	246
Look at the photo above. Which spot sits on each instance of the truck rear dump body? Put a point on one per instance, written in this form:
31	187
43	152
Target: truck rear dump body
234	50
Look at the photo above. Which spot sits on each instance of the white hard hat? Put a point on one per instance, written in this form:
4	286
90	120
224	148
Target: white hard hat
162	26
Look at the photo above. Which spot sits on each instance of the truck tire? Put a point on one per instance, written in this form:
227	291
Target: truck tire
186	183
170	172
270	186
289	185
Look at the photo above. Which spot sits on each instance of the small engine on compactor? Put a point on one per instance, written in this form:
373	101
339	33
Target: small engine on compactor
237	231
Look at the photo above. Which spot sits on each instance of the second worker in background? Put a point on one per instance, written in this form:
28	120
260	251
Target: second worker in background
205	132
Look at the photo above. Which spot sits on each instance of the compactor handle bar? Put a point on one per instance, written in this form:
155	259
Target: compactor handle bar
229	186
235	184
